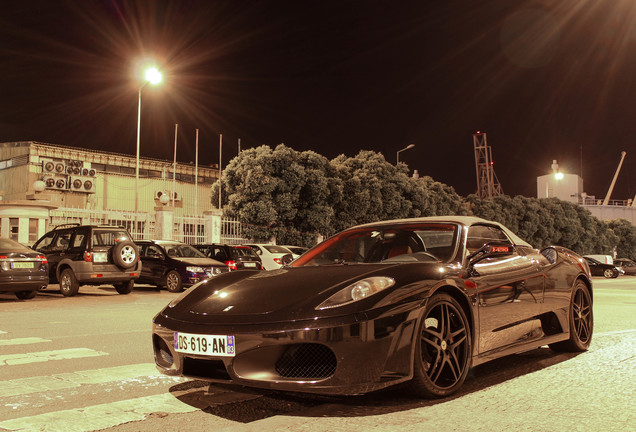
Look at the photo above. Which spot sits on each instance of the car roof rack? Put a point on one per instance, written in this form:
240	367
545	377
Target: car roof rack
66	225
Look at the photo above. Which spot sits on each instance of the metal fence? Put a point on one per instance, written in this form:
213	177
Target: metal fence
140	225
188	229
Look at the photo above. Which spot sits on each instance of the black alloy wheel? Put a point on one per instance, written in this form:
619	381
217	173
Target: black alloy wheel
581	320
68	283
443	348
172	281
25	295
125	287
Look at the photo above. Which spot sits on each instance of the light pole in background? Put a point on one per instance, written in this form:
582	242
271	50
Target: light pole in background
410	146
151	76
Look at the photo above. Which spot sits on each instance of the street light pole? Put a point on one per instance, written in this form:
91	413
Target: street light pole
137	157
410	146
151	76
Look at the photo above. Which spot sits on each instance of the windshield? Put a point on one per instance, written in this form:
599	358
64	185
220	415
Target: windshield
427	242
182	250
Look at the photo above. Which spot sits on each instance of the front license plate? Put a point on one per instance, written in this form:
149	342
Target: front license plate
210	345
21	265
100	257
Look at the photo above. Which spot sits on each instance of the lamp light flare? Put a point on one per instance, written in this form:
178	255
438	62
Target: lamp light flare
153	76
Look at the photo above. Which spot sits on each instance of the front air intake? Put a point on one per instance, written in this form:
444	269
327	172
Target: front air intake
307	361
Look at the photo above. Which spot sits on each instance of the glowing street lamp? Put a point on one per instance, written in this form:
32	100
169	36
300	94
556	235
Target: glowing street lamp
152	76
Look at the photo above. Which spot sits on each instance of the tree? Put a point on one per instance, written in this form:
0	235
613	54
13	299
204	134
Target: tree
279	193
626	234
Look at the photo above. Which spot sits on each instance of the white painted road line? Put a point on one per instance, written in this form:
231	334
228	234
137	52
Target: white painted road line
36	384
43	356
99	416
22	341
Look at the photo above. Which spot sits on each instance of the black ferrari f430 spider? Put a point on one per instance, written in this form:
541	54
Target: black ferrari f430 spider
415	302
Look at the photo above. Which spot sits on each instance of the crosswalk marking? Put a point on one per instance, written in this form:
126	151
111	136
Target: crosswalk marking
100	416
36	384
43	356
22	341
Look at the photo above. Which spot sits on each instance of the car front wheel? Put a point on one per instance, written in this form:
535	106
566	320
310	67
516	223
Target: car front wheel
68	283
443	348
610	273
173	281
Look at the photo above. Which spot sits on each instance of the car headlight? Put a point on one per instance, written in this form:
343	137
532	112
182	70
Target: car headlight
194	269
357	291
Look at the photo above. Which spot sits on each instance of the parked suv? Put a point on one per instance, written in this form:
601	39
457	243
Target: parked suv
235	257
90	255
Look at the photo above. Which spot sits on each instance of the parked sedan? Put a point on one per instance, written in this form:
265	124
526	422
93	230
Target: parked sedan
412	302
175	265
235	257
628	266
601	269
23	271
296	251
270	255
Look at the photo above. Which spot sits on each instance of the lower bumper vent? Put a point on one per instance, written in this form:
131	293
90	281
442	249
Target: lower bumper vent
307	361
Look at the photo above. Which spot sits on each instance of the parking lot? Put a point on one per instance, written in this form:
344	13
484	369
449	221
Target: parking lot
108	381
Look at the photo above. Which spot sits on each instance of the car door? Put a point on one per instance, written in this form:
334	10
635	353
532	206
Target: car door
510	289
55	245
152	263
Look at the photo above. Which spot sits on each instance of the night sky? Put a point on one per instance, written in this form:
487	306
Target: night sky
545	79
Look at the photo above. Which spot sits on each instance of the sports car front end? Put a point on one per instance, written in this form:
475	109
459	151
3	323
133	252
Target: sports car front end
275	329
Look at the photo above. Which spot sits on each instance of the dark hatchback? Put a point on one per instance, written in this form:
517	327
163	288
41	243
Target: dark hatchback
23	271
628	266
175	265
235	257
598	268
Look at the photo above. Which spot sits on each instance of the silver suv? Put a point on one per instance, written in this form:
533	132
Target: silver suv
90	255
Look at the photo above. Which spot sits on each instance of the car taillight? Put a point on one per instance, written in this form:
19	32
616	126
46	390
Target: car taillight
88	257
277	261
42	258
231	264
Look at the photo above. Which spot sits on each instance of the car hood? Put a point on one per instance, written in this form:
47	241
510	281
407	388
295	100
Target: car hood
203	262
287	294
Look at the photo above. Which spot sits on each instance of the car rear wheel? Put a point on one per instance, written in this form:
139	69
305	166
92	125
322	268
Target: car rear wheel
25	295
443	348
581	321
68	283
172	281
125	287
125	254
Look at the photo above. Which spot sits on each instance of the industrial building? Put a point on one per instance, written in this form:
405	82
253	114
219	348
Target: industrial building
42	184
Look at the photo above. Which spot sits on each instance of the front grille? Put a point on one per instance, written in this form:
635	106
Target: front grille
205	368
307	361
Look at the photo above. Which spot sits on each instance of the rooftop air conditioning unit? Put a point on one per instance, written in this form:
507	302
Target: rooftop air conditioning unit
55	182
53	166
88	171
82	184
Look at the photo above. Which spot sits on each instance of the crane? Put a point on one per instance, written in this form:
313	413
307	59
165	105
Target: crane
611	188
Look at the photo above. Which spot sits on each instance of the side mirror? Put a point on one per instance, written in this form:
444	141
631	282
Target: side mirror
492	250
286	259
